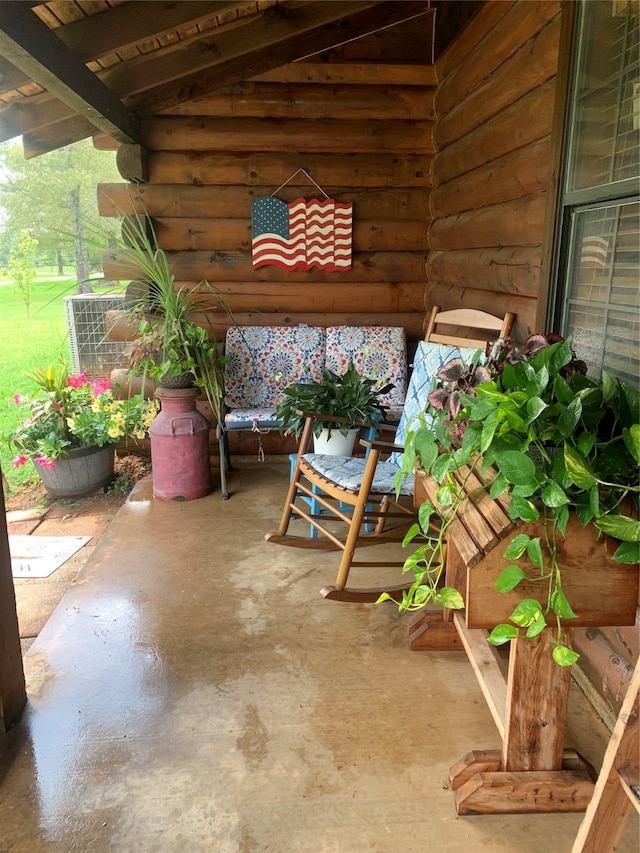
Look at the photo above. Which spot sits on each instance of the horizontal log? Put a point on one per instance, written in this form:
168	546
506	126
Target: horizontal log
512	223
229	168
236	266
535	63
235	202
527	120
120	328
484	22
510	270
296	135
522	172
235	234
330	73
453	296
312	100
508	35
299	296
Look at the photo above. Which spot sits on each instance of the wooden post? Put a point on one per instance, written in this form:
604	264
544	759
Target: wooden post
13	694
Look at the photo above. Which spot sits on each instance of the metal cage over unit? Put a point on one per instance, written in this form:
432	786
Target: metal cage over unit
91	350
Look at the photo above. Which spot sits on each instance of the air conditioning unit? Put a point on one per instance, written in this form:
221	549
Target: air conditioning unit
91	351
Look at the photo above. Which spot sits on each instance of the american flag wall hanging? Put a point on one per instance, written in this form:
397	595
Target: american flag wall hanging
301	234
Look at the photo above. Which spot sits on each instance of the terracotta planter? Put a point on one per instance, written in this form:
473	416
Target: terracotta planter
84	470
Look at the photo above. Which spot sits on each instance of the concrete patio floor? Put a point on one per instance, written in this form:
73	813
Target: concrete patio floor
193	692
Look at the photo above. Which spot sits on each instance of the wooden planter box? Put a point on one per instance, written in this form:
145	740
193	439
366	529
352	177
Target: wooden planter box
528	693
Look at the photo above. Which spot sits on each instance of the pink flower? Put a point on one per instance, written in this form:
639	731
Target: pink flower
57	406
17	399
77	381
99	386
44	462
17	461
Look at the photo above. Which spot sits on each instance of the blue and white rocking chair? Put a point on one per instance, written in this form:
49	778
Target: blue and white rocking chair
367	486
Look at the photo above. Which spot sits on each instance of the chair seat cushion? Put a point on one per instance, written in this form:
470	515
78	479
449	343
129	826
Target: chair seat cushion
250	418
347	472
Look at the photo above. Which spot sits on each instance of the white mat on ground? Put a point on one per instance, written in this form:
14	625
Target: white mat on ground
40	556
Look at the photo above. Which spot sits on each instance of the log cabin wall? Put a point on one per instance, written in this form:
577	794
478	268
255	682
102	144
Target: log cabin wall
491	175
359	120
494	105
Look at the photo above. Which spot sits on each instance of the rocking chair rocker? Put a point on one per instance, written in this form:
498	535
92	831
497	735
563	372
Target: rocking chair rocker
360	492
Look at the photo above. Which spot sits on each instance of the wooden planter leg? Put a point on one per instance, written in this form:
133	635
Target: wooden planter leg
533	774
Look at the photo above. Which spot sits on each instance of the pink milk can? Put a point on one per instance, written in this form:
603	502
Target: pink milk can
180	447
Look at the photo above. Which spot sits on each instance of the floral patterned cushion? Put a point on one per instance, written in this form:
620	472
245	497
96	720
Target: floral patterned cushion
377	352
264	360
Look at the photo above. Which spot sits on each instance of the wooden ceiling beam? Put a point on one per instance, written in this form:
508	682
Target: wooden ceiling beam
119	28
30	45
257	44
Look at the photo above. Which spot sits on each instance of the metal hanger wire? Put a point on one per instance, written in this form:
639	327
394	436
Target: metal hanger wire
307	175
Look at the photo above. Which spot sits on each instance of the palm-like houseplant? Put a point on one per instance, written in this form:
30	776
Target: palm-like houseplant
560	442
170	333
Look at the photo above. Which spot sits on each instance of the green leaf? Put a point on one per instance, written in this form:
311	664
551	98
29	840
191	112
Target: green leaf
631	438
449	597
537	385
502	634
569	419
620	527
444	496
498	486
535	407
552	495
425	511
564	656
526	613
608	387
509	578
517	546
440	467
410	535
426	448
517	467
560	605
585	443
594	501
523	509
488	429
537	626
628	552
577	468
562	519
534	552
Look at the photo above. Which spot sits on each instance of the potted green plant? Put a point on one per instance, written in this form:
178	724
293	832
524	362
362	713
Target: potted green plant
168	342
71	426
562	444
346	402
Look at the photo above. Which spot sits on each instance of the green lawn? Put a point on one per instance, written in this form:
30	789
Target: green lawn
27	342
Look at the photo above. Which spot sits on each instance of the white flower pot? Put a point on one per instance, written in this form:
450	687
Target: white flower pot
336	444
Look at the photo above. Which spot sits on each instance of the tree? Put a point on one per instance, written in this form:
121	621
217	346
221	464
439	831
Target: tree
22	268
51	196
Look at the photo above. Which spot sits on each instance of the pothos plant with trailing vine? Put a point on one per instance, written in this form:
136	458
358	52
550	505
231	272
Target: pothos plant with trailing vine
559	441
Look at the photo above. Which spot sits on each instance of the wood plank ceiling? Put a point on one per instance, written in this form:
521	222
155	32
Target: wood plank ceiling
70	69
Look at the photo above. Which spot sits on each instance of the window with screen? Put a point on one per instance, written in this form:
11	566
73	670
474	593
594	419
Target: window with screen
599	272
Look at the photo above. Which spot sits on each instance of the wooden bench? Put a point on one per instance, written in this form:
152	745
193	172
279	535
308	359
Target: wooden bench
526	691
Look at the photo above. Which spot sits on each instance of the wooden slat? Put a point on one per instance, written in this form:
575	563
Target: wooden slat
488	667
508	270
